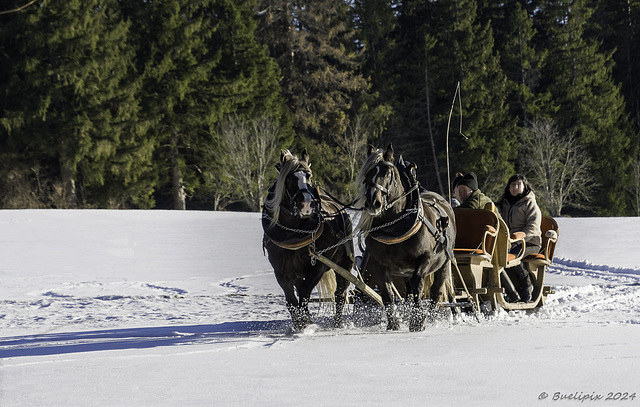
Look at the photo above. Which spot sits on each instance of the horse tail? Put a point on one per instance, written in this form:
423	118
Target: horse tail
427	280
327	286
447	290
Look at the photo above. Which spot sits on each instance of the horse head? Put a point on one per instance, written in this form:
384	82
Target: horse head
294	189
380	183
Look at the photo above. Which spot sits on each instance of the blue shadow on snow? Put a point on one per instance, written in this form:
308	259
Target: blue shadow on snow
138	338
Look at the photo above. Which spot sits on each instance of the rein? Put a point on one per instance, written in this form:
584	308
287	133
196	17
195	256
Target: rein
377	186
344	206
407	193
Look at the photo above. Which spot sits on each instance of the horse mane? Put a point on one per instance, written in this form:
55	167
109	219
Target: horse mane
370	163
289	164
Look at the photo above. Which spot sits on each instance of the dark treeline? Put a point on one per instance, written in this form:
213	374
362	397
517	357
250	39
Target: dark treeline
186	104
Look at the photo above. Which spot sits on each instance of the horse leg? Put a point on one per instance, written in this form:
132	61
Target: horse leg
441	285
393	322
304	289
444	283
299	311
417	314
342	284
340	296
386	292
295	307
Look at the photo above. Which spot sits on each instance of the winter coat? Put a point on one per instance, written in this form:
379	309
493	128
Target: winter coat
523	216
477	200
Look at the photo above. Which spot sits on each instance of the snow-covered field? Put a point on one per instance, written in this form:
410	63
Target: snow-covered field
164	308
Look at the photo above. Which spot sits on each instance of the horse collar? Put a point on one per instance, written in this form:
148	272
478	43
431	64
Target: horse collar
406	226
291	238
295	244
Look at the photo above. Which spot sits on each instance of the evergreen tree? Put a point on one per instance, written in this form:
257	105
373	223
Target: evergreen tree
492	136
69	103
520	59
201	61
376	23
617	26
315	46
445	40
319	63
406	82
580	79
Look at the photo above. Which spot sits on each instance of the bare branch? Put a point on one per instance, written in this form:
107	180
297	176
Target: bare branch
251	145
557	165
15	10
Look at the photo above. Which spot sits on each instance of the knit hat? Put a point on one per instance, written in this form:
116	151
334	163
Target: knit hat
469	180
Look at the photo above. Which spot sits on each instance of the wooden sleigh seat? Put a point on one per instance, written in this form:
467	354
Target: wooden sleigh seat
476	239
484	249
476	233
535	263
549	228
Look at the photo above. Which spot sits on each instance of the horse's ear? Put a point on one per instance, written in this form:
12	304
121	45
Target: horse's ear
400	162
388	155
305	156
370	150
285	155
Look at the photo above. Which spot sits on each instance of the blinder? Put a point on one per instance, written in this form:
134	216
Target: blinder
304	187
374	184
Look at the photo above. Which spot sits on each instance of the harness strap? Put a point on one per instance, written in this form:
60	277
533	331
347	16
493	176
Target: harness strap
344	206
438	233
303	241
409	192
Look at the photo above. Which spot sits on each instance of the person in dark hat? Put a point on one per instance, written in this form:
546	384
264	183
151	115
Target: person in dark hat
466	191
465	188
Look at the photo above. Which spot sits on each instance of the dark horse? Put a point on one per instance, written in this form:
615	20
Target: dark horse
409	234
297	220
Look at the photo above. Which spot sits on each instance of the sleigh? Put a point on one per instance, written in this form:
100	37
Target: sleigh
483	252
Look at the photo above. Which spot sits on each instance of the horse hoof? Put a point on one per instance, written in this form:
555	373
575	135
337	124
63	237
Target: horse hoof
299	325
295	327
416	327
393	326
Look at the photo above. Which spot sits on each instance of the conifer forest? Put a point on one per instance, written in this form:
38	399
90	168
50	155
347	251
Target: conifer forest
173	104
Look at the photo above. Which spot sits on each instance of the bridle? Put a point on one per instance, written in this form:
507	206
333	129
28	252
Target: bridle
303	188
386	193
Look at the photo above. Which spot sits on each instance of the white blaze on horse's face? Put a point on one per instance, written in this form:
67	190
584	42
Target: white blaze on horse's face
375	203
303	185
373	192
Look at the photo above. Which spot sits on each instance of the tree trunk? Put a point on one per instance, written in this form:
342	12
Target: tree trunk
177	183
436	169
69	185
